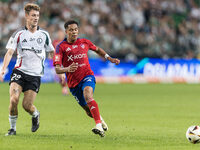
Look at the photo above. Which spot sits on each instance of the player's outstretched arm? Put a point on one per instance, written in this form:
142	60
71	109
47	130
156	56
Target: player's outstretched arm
61	76
103	54
6	62
71	68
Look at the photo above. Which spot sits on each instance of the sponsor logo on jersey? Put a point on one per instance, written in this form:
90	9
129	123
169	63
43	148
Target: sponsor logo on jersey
32	39
81	65
68	49
73	57
37	51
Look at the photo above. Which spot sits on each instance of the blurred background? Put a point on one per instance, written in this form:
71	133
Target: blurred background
156	40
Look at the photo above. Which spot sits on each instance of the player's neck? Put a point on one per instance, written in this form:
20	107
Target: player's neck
31	28
71	41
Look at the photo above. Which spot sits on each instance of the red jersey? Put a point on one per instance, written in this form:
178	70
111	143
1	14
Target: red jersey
67	53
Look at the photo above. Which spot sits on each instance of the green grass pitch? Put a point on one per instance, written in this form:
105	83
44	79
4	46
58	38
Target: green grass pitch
140	117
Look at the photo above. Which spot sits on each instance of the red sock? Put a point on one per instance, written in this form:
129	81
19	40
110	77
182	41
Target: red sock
94	109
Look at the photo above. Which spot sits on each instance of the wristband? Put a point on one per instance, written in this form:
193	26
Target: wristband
106	56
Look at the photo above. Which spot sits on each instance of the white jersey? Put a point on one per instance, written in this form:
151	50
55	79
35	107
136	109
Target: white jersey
31	50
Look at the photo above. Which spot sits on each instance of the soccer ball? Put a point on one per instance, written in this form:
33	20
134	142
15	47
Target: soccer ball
193	134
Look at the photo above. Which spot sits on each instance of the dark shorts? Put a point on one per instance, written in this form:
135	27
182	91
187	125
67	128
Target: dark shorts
77	92
27	82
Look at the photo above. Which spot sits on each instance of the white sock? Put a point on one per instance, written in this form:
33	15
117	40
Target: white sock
101	119
99	125
35	113
13	121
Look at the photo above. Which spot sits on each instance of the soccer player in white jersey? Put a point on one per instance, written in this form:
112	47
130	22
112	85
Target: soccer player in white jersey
31	43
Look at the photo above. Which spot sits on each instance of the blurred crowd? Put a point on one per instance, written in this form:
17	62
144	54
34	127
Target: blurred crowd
128	29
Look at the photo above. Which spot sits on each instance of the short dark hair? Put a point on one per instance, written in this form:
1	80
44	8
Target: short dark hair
70	22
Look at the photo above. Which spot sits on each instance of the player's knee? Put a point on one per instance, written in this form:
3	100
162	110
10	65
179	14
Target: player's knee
14	101
88	94
88	98
26	106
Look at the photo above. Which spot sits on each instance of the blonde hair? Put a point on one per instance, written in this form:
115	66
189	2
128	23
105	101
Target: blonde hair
31	6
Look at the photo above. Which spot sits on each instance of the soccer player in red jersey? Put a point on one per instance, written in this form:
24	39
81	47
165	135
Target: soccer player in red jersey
61	77
71	54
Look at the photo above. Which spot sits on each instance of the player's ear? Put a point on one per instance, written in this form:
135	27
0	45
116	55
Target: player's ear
26	15
66	31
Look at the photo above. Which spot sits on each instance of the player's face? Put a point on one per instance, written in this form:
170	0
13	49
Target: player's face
72	32
32	18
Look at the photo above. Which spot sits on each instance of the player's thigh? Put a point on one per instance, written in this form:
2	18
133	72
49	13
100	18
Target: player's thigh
29	97
78	95
88	87
15	91
88	93
32	83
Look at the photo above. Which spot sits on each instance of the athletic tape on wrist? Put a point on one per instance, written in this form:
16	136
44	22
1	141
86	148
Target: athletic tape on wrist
106	56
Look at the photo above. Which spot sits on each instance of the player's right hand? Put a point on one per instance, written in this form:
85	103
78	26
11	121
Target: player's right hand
1	75
73	67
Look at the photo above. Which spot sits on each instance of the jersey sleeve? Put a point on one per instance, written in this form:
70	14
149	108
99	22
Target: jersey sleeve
12	42
48	43
91	45
58	55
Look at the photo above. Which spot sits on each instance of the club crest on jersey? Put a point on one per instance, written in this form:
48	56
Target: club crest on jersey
68	49
74	46
57	58
82	46
39	40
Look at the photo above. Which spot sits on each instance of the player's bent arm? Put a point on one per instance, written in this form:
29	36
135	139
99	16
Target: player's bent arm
6	62
60	70
50	56
71	68
100	52
103	54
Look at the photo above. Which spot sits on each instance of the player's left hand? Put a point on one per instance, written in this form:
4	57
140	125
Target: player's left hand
1	75
62	77
115	60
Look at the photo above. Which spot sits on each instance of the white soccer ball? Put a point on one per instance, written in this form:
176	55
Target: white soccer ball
193	134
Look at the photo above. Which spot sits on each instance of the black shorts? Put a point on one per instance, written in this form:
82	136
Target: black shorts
27	82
